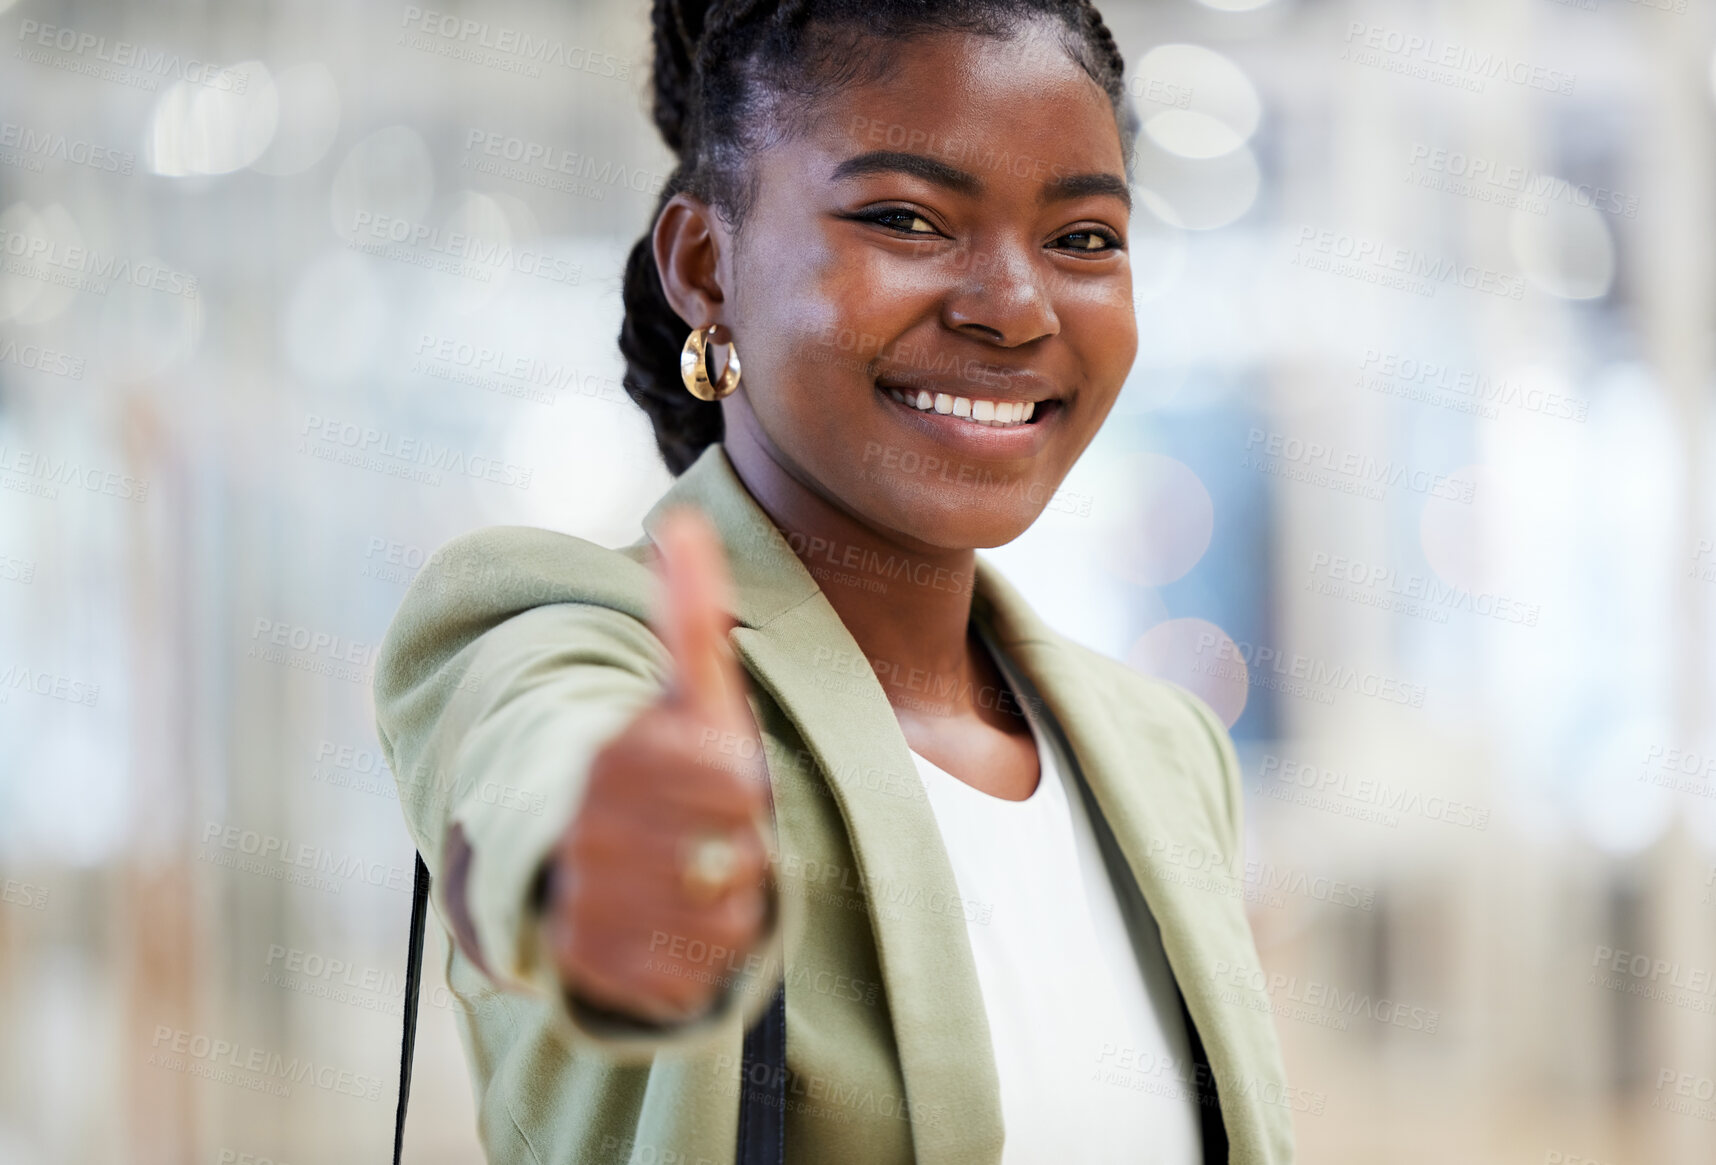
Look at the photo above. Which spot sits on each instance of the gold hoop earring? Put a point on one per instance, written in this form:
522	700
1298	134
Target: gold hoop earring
694	366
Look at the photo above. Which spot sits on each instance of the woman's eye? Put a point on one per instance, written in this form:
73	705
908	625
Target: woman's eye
1090	241
904	220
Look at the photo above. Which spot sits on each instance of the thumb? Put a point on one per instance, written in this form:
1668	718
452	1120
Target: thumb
693	617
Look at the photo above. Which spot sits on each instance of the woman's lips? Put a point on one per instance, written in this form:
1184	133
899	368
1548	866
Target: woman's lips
980	435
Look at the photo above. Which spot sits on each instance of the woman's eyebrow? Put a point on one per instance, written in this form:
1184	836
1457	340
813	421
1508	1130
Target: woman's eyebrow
1065	186
1058	188
919	165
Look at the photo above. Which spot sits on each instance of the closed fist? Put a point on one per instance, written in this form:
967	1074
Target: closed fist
659	884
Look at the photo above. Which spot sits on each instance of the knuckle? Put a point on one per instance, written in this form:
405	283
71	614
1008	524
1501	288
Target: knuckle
740	919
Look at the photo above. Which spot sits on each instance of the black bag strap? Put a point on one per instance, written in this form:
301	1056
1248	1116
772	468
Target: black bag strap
762	1103
413	988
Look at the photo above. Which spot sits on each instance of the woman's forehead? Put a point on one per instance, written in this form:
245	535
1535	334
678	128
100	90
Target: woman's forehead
976	103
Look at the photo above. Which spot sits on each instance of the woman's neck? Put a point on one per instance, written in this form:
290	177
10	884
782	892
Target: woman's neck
908	607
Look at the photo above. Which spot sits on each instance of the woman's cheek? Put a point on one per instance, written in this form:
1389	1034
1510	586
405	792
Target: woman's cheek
1102	327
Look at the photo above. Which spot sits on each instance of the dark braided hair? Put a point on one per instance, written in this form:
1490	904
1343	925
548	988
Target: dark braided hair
732	76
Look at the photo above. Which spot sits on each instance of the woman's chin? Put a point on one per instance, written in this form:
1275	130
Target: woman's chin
960	519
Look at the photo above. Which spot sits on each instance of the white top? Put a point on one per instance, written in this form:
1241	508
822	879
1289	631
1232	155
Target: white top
1090	1043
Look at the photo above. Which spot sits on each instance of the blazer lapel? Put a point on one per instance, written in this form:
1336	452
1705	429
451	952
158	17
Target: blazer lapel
787	634
1147	795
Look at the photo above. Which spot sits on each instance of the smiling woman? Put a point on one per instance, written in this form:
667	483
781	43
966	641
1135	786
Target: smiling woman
953	871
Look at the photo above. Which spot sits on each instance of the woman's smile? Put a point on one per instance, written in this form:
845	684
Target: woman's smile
979	426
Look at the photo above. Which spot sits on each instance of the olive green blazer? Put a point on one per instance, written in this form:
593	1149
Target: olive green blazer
518	652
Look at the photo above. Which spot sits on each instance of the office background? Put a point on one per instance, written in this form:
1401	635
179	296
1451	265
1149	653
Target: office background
1411	481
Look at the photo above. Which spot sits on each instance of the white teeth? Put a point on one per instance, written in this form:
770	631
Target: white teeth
990	413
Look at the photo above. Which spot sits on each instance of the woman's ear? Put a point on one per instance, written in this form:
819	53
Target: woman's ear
689	237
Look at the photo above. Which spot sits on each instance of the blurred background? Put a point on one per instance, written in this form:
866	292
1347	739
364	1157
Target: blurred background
1410	481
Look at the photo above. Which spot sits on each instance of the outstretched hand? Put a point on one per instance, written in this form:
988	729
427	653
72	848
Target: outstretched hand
658	886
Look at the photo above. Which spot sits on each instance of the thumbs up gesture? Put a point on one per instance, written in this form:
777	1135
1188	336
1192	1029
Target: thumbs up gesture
658	885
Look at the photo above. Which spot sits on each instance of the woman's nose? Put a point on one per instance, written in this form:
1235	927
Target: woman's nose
1003	297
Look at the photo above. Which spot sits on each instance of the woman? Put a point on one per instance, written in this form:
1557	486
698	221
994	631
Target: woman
983	877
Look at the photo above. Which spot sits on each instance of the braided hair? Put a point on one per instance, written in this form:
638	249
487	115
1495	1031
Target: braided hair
730	76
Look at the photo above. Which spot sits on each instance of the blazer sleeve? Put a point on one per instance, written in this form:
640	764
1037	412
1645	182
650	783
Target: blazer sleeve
490	715
1216	738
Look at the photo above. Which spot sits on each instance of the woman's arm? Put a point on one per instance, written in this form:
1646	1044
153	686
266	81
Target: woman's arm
493	718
